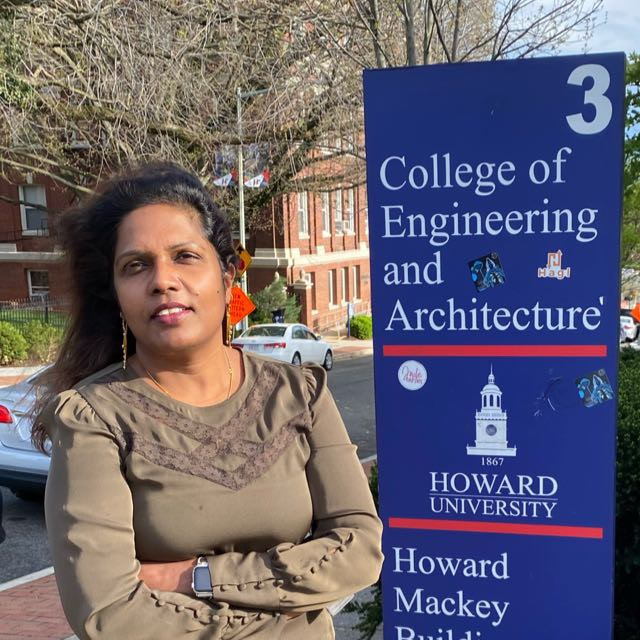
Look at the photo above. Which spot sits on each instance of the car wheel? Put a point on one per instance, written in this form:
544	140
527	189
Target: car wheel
328	360
297	360
30	495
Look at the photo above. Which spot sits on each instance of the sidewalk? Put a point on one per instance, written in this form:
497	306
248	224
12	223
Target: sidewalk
12	375
30	607
343	347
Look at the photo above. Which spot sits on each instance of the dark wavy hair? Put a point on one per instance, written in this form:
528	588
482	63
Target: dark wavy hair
87	235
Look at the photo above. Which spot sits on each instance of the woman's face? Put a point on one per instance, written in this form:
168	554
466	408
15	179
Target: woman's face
162	257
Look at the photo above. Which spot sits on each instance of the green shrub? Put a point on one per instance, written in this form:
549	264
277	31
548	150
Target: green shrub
42	340
627	584
13	346
361	327
271	298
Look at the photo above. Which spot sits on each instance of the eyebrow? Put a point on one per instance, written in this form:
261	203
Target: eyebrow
141	252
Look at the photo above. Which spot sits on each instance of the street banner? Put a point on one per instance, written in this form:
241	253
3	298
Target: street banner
494	193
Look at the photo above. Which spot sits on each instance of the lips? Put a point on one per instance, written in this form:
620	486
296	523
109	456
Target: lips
168	309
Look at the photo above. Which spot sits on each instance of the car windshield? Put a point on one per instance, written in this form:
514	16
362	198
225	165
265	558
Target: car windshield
268	331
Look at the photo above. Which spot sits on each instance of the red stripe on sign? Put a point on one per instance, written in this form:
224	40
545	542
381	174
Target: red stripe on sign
497	350
497	527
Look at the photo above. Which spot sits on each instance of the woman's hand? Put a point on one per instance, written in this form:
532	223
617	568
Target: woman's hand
168	576
176	576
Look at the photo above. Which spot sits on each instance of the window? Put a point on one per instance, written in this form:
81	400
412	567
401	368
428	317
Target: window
269	331
326	213
349	224
337	212
356	282
38	283
299	333
303	213
332	286
345	284
34	219
314	300
366	221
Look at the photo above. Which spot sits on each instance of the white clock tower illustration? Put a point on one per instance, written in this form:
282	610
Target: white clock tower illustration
491	424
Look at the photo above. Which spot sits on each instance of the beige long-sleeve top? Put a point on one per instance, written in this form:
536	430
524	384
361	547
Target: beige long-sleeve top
266	484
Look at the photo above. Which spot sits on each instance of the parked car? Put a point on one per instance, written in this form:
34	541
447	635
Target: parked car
626	313
628	325
23	469
294	343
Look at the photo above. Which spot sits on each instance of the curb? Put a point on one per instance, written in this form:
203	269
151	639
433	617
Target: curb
16	582
348	355
6	372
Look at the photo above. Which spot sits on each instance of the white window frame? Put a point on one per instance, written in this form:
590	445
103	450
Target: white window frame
326	214
23	210
337	213
303	214
332	287
314	293
39	291
344	284
356	281
366	220
349	223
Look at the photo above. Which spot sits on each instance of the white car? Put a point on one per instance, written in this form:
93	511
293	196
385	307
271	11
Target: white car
293	343
628	326
23	469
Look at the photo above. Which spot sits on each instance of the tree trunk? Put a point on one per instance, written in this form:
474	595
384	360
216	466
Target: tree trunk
456	31
374	25
428	29
410	32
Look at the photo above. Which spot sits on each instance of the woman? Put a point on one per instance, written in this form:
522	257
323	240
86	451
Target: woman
169	445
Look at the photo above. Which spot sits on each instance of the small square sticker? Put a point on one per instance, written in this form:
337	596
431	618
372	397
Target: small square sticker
594	388
487	271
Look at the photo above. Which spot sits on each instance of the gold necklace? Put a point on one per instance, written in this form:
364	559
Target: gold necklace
230	369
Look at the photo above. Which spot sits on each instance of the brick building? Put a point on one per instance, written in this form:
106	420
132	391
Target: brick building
29	259
318	242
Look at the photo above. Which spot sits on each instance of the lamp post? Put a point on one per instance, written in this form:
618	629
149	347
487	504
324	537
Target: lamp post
240	96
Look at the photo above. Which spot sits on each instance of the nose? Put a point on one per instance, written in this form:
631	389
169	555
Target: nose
164	276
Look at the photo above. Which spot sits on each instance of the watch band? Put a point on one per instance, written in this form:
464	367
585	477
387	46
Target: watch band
201	579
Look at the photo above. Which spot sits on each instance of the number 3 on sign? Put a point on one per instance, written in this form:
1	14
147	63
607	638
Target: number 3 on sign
594	96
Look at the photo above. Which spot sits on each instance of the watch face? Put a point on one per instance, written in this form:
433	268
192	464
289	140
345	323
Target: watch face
201	579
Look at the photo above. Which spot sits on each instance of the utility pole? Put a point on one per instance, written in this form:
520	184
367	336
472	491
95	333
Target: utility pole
240	96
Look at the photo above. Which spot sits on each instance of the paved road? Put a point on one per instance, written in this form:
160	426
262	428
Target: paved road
351	383
26	548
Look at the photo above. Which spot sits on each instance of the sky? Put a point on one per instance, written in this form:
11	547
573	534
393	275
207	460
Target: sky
620	31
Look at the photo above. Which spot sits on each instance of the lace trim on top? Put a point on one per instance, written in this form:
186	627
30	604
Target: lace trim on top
216	440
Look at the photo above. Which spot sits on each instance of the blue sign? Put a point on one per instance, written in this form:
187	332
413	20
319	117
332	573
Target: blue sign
495	208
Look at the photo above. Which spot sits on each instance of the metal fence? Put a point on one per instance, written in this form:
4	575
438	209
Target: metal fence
52	311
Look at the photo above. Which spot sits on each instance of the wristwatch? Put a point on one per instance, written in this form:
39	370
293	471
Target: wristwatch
201	579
